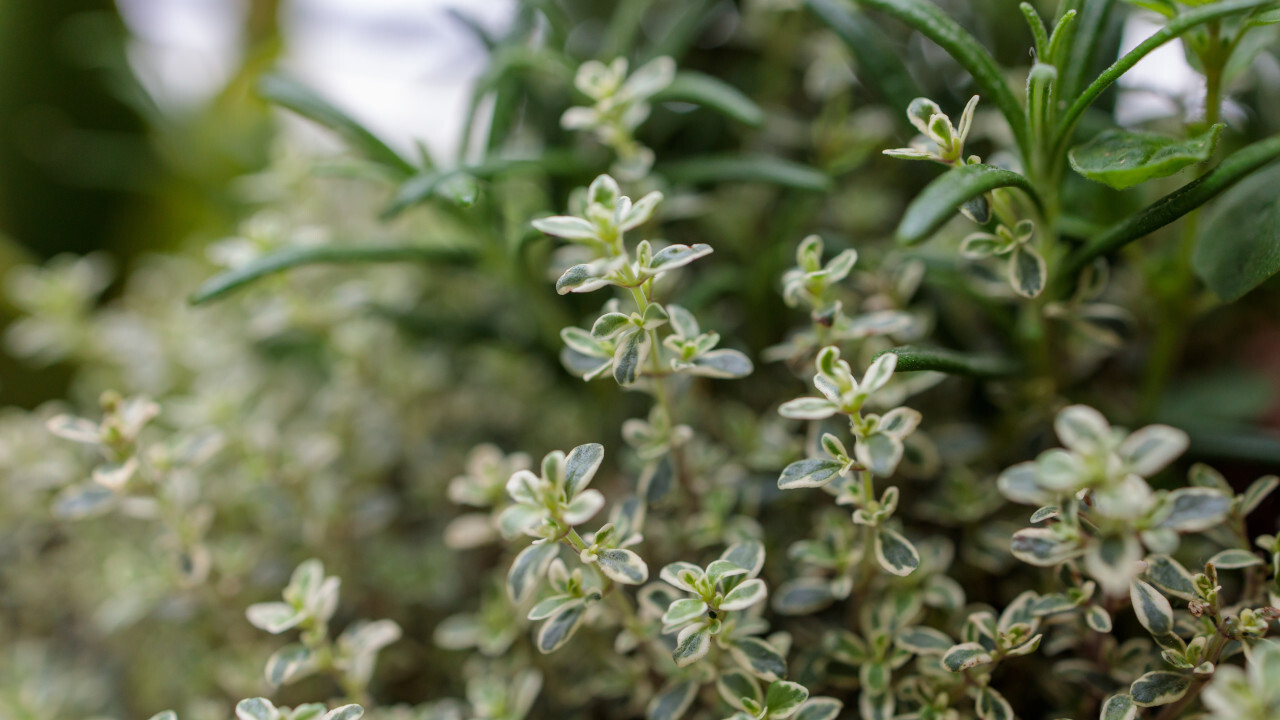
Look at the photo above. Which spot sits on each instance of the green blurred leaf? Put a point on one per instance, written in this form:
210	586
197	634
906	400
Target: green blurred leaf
1169	208
710	92
1238	241
736	168
299	98
934	24
232	280
879	63
1122	159
940	200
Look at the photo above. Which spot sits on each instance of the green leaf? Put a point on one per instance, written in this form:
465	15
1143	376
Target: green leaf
629	357
880	453
895	553
783	698
879	62
301	99
1159	688
819	708
1042	547
1168	574
1176	27
744	596
1123	158
934	24
954	362
1258	491
758	656
709	92
673	702
737	168
527	570
1110	560
1153	609
940	200
77	502
555	632
1027	271
288	258
274	617
1169	208
694	642
346	712
1196	509
924	640
812	473
1097	618
991	705
165	715
1238	240
258	708
1119	707
964	656
289	663
580	466
1235	559
736	685
623	566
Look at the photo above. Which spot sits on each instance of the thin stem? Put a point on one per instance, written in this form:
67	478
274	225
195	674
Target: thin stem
1212	654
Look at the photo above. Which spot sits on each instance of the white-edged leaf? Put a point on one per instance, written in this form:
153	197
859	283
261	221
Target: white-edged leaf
1148	450
807	408
77	502
784	697
1153	609
723	364
692	645
580	466
567	227
1159	688
69	427
1168	574
748	555
1196	509
1111	561
880	453
1042	547
813	472
964	656
1027	271
745	595
557	630
1082	428
527	570
1097	618
547	607
274	617
583	507
1119	707
289	663
802	596
759	657
346	712
674	256
623	566
991	705
682	575
673	702
1020	484
924	640
1258	491
735	685
895	553
819	708
258	708
683	611
1234	559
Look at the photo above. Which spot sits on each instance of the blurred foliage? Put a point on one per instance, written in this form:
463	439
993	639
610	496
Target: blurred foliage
365	319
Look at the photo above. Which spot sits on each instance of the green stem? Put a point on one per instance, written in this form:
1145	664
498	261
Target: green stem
1177	296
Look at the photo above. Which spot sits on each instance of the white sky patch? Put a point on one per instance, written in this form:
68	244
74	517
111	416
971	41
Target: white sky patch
402	67
1162	83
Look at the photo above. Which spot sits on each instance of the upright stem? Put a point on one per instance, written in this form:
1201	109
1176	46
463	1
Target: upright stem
1175	291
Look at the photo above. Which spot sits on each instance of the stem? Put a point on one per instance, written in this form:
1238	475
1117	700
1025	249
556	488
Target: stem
1176	292
1213	653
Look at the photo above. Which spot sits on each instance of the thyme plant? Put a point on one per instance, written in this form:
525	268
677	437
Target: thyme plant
1015	519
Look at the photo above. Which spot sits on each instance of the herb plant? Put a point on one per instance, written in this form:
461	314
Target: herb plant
1018	520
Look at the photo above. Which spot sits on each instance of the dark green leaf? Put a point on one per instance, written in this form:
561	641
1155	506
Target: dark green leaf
879	62
710	92
1176	204
673	702
301	99
737	168
1119	707
1159	688
940	200
913	359
232	280
758	656
1123	158
556	632
1238	242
